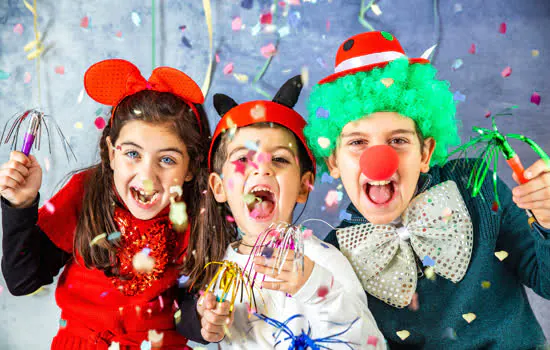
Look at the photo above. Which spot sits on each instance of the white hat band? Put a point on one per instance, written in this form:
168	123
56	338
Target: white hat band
365	60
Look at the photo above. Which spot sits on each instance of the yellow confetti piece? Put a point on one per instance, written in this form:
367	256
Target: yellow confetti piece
143	263
387	82
98	238
469	317
242	78
32	44
38	291
227	331
147	186
404	334
177	316
305	76
430	273
30	7
155	338
35	54
486	284
178	214
535	53
501	255
323	142
177	190
78	125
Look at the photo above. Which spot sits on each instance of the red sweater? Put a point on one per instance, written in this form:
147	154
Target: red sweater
93	312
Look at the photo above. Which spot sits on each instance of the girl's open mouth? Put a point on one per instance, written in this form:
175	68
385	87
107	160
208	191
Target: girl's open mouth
144	200
263	207
380	192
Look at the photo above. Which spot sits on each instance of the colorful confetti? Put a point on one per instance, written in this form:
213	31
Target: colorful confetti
78	125
229	218
85	22
404	334
372	340
99	123
266	18
236	24
97	238
27	77
308	233
60	70
136	19
4	75
535	53
501	255
284	31
326	179
472	49
344	215
268	50
228	69
494	206
486	284
323	142
322	113
458	96
429	272
535	98
258	112
506	72
242	78
387	82
49	207
178	214
322	291
415	304
114	236
457	64
502	28
427	261
142	262
155	338
469	317
376	9
332	198
18	29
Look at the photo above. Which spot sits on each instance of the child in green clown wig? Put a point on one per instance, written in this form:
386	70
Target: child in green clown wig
442	269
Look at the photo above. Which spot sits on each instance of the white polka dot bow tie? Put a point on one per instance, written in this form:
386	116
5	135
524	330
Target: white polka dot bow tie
436	227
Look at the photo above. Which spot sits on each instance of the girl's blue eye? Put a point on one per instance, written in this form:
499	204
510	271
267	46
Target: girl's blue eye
132	154
167	160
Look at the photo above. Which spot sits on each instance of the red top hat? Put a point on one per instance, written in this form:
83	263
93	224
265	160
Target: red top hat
366	51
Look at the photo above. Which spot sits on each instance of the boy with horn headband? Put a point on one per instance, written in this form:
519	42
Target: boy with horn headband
112	227
421	244
261	168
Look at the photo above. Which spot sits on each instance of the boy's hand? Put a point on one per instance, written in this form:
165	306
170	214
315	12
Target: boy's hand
290	280
213	317
20	179
535	194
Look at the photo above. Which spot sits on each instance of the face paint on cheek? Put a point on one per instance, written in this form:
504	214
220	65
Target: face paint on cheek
230	184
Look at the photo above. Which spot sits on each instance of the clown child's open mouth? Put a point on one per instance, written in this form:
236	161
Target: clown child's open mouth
380	192
144	199
263	207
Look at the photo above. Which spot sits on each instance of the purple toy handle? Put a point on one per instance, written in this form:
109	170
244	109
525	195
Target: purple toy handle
27	144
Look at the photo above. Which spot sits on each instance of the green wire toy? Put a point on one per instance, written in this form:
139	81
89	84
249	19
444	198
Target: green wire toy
494	142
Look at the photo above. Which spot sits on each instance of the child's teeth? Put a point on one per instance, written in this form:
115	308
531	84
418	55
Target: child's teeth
379	183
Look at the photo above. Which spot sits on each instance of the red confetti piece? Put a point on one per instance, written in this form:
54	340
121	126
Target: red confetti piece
332	198
268	50
266	18
307	233
494	206
85	22
119	34
217	58
372	340
27	77
230	218
322	291
18	28
502	28
472	49
236	24
506	72
328	25
228	69
60	70
488	114
99	123
535	98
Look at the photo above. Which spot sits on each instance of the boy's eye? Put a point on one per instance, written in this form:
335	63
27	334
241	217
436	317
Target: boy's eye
167	160
398	141
280	160
357	142
132	154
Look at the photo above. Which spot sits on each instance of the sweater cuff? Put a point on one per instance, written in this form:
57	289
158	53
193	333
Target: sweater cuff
20	214
309	292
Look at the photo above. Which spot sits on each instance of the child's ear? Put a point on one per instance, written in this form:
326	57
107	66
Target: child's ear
332	165
427	152
305	184
111	152
216	185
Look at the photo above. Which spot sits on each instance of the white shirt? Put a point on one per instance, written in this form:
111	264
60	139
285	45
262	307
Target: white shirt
345	301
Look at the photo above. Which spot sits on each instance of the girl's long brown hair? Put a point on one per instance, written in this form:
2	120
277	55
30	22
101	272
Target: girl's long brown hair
98	204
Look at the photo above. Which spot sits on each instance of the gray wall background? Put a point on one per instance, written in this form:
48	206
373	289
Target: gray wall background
315	30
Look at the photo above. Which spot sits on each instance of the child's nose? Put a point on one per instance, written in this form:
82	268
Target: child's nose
147	171
263	169
379	162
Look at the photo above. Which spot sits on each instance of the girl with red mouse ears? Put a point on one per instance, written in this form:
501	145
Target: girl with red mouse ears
258	151
430	256
110	226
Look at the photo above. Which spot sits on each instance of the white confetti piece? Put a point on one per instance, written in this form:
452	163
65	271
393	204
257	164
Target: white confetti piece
501	255
469	317
404	334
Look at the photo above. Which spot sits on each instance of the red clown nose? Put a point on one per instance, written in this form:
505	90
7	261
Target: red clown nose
379	162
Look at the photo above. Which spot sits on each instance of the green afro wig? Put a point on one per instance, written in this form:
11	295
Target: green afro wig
414	93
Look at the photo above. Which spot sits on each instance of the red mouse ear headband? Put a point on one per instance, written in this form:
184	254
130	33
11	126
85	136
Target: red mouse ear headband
110	81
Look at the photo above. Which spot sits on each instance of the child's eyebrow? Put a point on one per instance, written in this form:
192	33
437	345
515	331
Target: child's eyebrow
393	132
169	149
284	148
403	131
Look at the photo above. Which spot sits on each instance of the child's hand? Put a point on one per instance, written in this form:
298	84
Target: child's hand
213	316
290	280
535	194
20	179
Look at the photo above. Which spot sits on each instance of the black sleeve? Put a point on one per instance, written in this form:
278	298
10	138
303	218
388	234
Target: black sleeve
189	325
30	260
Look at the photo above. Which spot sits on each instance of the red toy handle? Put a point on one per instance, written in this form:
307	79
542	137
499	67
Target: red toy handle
517	168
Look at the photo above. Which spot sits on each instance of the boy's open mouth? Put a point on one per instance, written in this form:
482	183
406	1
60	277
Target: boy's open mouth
264	204
380	192
146	199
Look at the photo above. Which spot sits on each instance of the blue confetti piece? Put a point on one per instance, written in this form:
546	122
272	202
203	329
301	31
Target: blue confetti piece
323	208
427	261
136	19
183	280
321	62
322	113
186	42
62	323
113	236
327	179
344	215
459	97
146	345
146	250
251	145
247	4
294	19
103	295
324	245
4	75
268	252
340	195
457	64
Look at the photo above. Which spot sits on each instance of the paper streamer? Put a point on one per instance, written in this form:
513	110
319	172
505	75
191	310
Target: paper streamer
153	34
36	44
362	11
208	77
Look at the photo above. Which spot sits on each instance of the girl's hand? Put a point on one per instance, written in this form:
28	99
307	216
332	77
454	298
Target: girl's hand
215	317
20	179
290	280
535	194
